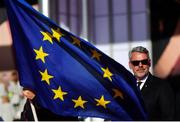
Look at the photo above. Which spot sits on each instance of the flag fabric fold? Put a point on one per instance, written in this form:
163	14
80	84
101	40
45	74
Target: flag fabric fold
70	76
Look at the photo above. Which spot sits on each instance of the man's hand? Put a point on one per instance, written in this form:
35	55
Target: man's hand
29	94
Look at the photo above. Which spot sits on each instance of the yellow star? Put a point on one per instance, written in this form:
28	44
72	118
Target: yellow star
40	54
57	34
107	73
76	41
46	76
95	55
47	36
59	94
117	93
102	102
79	102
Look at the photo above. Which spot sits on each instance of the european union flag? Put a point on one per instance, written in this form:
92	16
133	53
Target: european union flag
70	76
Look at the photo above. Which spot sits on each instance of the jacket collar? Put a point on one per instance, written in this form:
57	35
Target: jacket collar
147	83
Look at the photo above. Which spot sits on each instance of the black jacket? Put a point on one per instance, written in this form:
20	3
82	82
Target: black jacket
159	99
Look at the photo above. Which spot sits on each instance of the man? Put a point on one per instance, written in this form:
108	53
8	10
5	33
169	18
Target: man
157	94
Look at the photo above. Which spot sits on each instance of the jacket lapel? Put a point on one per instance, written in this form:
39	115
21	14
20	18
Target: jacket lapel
147	84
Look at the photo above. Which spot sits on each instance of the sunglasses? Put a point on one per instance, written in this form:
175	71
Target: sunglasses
144	62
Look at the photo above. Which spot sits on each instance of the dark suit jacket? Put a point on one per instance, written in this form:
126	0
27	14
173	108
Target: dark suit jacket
159	99
175	82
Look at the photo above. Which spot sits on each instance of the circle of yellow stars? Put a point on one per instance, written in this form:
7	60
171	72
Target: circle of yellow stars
59	93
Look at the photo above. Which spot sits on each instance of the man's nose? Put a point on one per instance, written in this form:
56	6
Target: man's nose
140	64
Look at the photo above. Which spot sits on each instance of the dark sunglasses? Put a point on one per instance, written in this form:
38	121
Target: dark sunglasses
144	62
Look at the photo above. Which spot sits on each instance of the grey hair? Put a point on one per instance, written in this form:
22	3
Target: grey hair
139	49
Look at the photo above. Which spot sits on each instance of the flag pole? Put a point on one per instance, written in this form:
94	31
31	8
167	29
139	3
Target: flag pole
33	111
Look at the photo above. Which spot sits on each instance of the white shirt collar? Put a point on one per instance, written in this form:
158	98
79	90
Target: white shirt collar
143	81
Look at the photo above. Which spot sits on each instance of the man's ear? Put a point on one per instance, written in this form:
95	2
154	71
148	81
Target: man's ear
130	65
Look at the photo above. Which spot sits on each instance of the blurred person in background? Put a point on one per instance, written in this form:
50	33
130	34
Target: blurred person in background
3	98
15	94
6	108
7	111
14	89
12	100
157	94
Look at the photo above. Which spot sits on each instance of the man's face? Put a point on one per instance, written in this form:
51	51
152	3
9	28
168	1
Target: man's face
139	63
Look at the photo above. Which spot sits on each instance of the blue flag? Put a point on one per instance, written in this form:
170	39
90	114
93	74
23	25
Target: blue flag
70	76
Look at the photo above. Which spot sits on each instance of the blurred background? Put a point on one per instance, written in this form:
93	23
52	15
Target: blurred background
113	26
